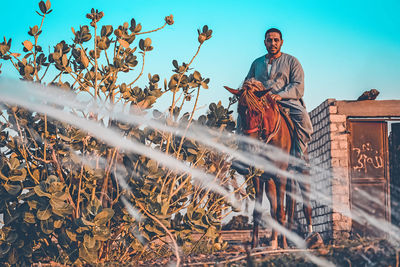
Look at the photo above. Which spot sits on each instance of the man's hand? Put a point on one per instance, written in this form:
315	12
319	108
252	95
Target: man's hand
276	97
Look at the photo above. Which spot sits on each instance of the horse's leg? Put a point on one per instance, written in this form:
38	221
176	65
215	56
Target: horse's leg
305	186
307	209
290	202
258	185
281	187
270	188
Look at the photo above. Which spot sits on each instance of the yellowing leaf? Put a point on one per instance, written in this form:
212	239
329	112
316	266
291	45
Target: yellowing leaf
71	235
40	192
28	45
147	42
104	216
124	43
48	5
43	214
29	217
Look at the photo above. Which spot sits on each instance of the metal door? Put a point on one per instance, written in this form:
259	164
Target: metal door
369	190
394	158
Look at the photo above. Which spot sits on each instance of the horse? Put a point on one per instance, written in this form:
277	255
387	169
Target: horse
261	119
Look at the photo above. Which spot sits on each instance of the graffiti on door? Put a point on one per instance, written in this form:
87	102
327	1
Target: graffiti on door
367	157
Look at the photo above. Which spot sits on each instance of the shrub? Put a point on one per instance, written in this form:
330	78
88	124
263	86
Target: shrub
59	207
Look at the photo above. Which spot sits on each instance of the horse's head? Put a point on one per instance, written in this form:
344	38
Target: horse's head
255	108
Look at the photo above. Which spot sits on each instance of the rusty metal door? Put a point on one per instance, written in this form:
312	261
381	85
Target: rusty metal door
394	158
369	182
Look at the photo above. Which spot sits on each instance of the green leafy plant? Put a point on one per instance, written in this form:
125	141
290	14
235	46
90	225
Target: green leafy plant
56	206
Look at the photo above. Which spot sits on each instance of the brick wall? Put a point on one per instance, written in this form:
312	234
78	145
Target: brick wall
330	183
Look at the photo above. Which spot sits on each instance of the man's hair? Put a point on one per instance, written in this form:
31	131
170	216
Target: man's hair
273	30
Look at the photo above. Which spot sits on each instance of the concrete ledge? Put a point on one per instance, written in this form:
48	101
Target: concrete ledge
369	108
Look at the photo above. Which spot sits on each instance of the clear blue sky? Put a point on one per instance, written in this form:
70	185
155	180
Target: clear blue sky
345	47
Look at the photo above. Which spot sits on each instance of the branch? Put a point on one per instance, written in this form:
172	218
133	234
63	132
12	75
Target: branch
139	33
178	259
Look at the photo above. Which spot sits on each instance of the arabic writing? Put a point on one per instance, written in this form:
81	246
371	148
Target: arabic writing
367	157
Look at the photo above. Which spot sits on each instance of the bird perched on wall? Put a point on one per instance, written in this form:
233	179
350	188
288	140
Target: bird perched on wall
368	95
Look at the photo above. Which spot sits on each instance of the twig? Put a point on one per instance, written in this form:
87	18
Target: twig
189	122
139	33
141	72
178	259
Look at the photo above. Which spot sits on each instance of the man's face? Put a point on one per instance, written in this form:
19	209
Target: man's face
273	43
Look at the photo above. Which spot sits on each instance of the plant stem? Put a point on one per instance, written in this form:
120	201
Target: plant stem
139	33
177	86
178	259
141	72
95	62
189	122
35	51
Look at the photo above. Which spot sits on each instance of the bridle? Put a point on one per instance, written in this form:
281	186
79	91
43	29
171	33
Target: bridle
261	127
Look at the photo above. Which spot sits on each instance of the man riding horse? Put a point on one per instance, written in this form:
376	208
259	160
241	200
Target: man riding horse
282	76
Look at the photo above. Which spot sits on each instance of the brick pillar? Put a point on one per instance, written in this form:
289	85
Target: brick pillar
341	224
330	185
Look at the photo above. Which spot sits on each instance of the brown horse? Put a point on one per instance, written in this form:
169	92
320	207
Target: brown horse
261	118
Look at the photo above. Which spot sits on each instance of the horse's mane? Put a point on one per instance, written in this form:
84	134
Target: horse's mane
250	100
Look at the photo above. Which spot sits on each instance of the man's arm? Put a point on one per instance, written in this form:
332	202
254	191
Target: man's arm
295	88
251	73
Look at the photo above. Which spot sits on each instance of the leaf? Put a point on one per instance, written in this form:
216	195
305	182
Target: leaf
12	189
192	151
88	255
89	241
4	249
133	25
47	226
204	85
57	187
152	166
88	223
28	45
141	44
20	177
2	176
84	59
64	60
64	211
32	204
11	237
42	7
38	190
104	216
43	214
124	43
58	223
48	4
101	233
14	163
29	217
147	42
71	235
197	75
138	28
